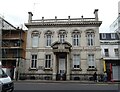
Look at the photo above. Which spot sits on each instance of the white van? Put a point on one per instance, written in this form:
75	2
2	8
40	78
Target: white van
6	83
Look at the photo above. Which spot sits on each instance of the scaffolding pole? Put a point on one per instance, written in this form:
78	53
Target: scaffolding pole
1	27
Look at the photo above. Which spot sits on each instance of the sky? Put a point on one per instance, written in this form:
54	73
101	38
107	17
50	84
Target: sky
16	11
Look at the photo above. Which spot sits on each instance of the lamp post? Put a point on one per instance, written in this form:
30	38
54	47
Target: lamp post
17	69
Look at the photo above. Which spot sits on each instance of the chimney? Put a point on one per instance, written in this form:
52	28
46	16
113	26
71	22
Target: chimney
68	18
42	19
30	17
96	14
55	18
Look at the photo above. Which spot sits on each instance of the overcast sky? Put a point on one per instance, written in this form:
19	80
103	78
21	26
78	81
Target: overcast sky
16	11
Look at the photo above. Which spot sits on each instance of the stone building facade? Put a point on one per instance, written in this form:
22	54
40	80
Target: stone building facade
110	55
63	49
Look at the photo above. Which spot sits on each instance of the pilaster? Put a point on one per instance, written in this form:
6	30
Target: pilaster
54	67
68	67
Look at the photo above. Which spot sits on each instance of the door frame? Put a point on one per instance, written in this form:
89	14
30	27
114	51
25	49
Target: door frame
59	75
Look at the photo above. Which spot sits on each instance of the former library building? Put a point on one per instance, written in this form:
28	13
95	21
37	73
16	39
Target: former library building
63	49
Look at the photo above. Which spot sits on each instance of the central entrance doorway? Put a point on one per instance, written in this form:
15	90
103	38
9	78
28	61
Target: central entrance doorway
61	62
61	65
61	69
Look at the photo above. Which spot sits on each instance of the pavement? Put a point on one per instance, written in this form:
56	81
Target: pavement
70	81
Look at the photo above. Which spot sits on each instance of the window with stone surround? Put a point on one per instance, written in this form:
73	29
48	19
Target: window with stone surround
112	35
35	38
33	61
116	52
103	35
91	61
106	51
62	38
62	34
48	36
48	43
48	60
76	61
90	39
76	39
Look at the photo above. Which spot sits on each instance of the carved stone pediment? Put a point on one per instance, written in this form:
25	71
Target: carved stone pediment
61	47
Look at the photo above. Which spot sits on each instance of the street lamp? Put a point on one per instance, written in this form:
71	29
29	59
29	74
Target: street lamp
17	69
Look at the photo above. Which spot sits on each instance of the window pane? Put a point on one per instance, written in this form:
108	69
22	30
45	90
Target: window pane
103	36
91	62
113	35
48	40
34	61
116	52
76	61
35	41
48	61
32	64
106	52
75	39
62	38
90	39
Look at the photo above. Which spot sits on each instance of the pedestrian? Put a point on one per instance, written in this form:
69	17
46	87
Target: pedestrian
95	77
12	72
101	77
105	77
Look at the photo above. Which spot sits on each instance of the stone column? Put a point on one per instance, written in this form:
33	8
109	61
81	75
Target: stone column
68	67
54	67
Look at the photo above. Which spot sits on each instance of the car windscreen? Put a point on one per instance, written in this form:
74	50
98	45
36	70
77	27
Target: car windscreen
2	74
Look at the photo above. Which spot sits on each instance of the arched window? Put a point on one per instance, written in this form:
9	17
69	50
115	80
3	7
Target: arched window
90	37
35	38
62	38
48	36
76	37
62	34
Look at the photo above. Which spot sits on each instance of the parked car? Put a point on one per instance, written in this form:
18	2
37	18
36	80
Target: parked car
6	83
